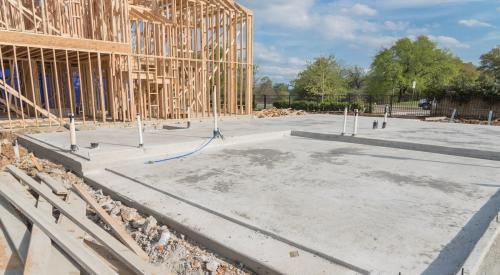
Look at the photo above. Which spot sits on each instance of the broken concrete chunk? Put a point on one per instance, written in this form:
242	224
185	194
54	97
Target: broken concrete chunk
213	266
149	225
129	214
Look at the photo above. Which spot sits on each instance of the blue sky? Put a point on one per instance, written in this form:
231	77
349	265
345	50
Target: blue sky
290	32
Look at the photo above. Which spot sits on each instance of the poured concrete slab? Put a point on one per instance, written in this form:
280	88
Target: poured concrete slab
261	193
386	211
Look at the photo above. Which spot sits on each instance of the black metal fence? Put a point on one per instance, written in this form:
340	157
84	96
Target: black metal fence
398	106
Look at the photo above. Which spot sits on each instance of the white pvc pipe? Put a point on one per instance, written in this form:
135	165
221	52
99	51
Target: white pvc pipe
355	128
139	129
214	107
344	130
452	118
16	151
490	117
72	132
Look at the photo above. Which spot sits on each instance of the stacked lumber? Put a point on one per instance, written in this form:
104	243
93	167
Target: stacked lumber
44	229
275	112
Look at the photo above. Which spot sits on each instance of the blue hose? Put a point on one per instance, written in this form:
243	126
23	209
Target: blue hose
185	154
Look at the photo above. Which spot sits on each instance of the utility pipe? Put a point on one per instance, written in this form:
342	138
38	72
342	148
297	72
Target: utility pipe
490	118
452	118
72	133
139	129
214	107
344	130
355	128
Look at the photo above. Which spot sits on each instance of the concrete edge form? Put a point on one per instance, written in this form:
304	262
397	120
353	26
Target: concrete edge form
253	248
436	149
483	247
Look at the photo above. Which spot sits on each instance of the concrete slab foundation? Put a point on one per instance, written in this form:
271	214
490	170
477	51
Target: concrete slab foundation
262	193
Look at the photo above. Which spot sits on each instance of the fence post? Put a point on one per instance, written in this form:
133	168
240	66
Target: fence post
289	101
265	102
370	104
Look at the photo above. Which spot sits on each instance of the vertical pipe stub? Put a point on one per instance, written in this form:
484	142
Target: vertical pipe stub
217	133
189	118
453	115
490	117
17	155
72	133
386	113
344	130
139	130
355	127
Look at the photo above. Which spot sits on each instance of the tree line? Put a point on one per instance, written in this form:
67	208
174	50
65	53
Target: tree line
408	67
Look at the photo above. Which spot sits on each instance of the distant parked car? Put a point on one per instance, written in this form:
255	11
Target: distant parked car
425	104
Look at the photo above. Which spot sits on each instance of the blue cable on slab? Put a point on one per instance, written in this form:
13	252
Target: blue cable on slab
185	154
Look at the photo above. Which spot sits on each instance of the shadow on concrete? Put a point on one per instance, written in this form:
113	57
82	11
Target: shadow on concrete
454	254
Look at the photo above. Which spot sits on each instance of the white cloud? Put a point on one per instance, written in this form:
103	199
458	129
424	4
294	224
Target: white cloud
473	23
263	53
396	4
289	13
276	65
361	9
449	42
396	26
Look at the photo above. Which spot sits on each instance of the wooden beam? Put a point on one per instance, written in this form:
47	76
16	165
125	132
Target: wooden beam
118	250
86	260
117	228
56	186
62	43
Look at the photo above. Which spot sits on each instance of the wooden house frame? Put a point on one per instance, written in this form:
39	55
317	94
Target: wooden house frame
109	60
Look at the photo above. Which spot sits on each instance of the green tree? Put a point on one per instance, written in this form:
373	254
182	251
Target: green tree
355	77
489	80
321	78
395	69
264	86
281	89
490	64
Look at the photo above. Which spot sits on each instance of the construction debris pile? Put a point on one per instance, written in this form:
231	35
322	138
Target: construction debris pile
275	112
51	219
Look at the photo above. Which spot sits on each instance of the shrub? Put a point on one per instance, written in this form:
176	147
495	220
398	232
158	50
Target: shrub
281	104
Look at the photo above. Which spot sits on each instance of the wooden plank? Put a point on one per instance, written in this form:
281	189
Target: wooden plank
62	43
119	250
13	92
9	260
86	260
56	186
37	261
14	225
113	224
65	265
